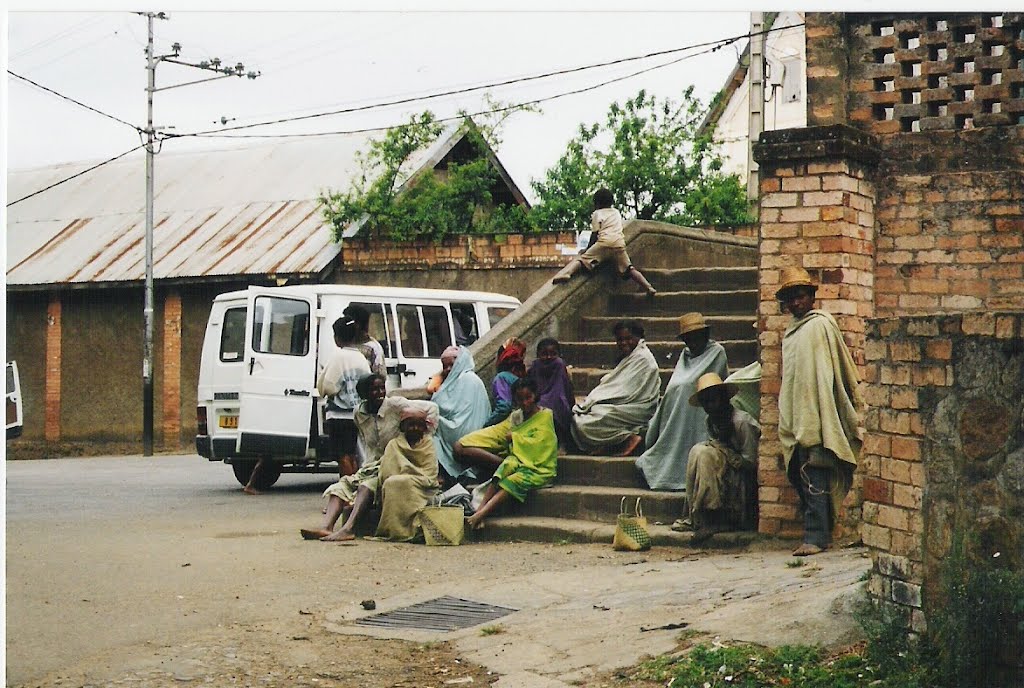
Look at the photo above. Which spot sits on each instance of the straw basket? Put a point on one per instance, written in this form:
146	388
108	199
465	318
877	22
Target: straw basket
442	525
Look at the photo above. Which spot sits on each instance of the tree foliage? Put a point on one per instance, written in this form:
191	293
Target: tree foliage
385	199
649	153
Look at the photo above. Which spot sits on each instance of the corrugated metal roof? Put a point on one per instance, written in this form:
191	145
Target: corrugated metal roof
238	211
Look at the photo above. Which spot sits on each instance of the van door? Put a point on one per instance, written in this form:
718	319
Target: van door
424	331
278	389
15	417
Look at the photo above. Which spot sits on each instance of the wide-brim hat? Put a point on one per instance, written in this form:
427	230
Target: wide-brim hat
711	381
794	276
691	322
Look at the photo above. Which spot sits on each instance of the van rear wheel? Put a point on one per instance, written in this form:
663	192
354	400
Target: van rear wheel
269	473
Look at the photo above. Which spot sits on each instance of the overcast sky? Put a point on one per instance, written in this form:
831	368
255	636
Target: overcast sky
318	61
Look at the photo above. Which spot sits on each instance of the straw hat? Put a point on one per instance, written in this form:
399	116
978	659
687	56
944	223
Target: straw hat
711	381
794	276
690	322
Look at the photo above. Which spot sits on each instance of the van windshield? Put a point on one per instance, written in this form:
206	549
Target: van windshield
495	314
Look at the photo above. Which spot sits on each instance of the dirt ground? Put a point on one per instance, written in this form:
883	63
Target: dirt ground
159	572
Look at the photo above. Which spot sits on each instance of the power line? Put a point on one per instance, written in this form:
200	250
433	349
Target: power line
717	44
504	108
76	102
79	174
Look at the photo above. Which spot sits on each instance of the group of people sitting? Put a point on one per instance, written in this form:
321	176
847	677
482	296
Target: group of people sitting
416	443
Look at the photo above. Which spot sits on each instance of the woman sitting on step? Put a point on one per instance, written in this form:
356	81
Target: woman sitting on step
615	414
522	451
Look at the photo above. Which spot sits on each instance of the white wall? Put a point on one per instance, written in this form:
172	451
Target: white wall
785	91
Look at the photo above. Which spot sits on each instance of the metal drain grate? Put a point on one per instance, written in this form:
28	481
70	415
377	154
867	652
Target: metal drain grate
443	614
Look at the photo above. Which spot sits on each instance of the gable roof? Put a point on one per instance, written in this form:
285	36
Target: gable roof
232	212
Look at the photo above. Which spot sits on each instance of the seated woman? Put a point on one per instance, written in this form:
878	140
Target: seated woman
511	367
677	426
463	406
554	387
522	451
377	419
408	477
721	483
613	416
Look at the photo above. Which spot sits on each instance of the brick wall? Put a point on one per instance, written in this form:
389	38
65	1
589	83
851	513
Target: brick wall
170	392
51	426
512	250
945	393
817	212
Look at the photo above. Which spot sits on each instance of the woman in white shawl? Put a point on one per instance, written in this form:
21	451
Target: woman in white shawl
614	415
677	426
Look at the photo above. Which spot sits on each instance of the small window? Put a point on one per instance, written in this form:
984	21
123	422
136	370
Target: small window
938	81
379	326
910	41
281	326
994	21
939	24
995	49
232	335
410	331
938	53
991	78
495	314
464	322
936	109
439	332
884	28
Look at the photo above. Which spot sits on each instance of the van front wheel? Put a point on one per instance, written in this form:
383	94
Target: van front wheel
269	473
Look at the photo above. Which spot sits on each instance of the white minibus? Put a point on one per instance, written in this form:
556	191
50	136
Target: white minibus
263	348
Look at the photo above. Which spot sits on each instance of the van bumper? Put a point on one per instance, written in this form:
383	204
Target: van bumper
204	448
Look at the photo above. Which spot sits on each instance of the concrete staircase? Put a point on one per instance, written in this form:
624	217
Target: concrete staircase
583	503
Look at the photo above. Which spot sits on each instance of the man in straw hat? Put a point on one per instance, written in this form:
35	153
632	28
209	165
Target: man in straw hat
721	483
818	406
677	426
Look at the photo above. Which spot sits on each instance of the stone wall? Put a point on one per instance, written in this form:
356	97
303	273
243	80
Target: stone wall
916	126
943	450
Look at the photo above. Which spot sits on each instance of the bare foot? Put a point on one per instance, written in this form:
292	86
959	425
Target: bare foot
474	523
251	490
806	550
630	445
340	536
314	533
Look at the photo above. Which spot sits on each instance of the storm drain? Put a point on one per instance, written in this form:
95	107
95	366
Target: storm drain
443	614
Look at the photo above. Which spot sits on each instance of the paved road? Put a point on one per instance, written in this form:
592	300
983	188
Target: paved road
159	571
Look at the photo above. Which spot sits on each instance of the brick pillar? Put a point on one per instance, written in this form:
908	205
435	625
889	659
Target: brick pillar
817	211
171	373
51	423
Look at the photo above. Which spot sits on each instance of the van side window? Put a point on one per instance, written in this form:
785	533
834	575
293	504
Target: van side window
281	326
496	313
410	331
464	321
380	328
232	335
439	333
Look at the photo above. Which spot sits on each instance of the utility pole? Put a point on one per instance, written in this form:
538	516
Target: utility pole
755	97
213	65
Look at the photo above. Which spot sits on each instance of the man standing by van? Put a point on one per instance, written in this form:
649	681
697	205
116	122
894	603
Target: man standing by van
369	346
337	383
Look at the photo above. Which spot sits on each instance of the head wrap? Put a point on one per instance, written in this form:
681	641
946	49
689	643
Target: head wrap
451	352
412	412
510	357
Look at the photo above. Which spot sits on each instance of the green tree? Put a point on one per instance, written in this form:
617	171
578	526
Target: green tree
385	199
648	152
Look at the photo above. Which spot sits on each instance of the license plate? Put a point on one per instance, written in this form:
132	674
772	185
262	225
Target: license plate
228	422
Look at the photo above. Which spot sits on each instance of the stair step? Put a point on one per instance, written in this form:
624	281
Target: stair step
588	354
723	327
606	471
679	302
585	379
601	503
566	531
665	279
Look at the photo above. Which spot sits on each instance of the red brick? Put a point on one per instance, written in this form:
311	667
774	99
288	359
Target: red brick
939	349
875	490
